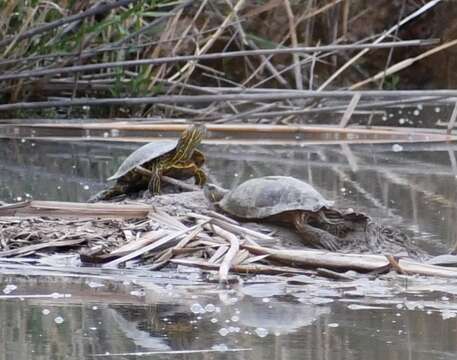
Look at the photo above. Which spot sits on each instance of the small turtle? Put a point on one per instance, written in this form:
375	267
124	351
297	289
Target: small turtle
175	158
281	199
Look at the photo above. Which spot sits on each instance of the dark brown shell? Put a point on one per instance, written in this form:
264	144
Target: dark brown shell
271	195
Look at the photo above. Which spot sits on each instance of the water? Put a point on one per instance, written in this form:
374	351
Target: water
397	318
93	313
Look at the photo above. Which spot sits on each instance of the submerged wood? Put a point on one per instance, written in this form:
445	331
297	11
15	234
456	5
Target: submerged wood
243	269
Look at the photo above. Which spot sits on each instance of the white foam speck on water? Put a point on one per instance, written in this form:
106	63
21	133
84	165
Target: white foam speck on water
214	320
9	288
59	320
197	308
93	328
210	308
448	314
234	329
333	325
235	318
223	332
364	307
261	332
93	284
45	311
397	147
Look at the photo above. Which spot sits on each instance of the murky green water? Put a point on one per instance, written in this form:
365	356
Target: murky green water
114	315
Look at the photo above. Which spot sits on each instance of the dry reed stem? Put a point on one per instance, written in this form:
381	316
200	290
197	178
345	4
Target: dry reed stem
415	14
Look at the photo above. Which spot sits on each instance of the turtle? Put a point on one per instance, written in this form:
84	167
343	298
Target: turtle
175	158
280	199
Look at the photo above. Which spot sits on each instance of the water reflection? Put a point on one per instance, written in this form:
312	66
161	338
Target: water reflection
408	185
288	323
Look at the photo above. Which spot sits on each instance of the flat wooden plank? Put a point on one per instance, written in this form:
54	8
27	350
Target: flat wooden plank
74	209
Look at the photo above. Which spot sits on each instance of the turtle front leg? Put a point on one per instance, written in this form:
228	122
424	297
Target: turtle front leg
200	177
154	182
313	236
107	194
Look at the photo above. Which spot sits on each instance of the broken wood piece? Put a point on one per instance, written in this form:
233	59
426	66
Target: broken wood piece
230	254
240	230
394	265
75	209
322	259
170	180
241	256
414	267
155	245
40	246
218	254
144	240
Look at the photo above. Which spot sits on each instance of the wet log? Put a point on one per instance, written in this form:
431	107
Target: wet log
314	259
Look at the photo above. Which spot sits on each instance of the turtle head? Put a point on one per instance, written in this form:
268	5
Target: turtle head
188	141
214	193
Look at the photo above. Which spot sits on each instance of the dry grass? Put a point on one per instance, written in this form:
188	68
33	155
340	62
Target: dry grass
64	34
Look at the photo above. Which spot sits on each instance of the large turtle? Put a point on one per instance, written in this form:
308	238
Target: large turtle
281	199
176	158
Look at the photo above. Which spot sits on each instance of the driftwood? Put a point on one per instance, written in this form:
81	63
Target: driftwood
243	269
112	235
69	209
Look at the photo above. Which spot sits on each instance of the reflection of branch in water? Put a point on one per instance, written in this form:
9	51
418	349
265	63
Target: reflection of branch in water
429	195
367	195
139	337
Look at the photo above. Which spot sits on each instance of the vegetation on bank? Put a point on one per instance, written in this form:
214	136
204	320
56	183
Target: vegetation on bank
100	37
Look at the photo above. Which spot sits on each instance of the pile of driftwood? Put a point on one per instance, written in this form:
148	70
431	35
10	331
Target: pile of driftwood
138	235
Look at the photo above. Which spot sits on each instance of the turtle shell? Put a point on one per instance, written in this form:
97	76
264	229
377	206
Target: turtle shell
143	155
271	195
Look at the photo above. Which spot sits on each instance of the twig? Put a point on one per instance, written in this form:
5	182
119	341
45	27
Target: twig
416	13
244	269
189	99
166	60
452	119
